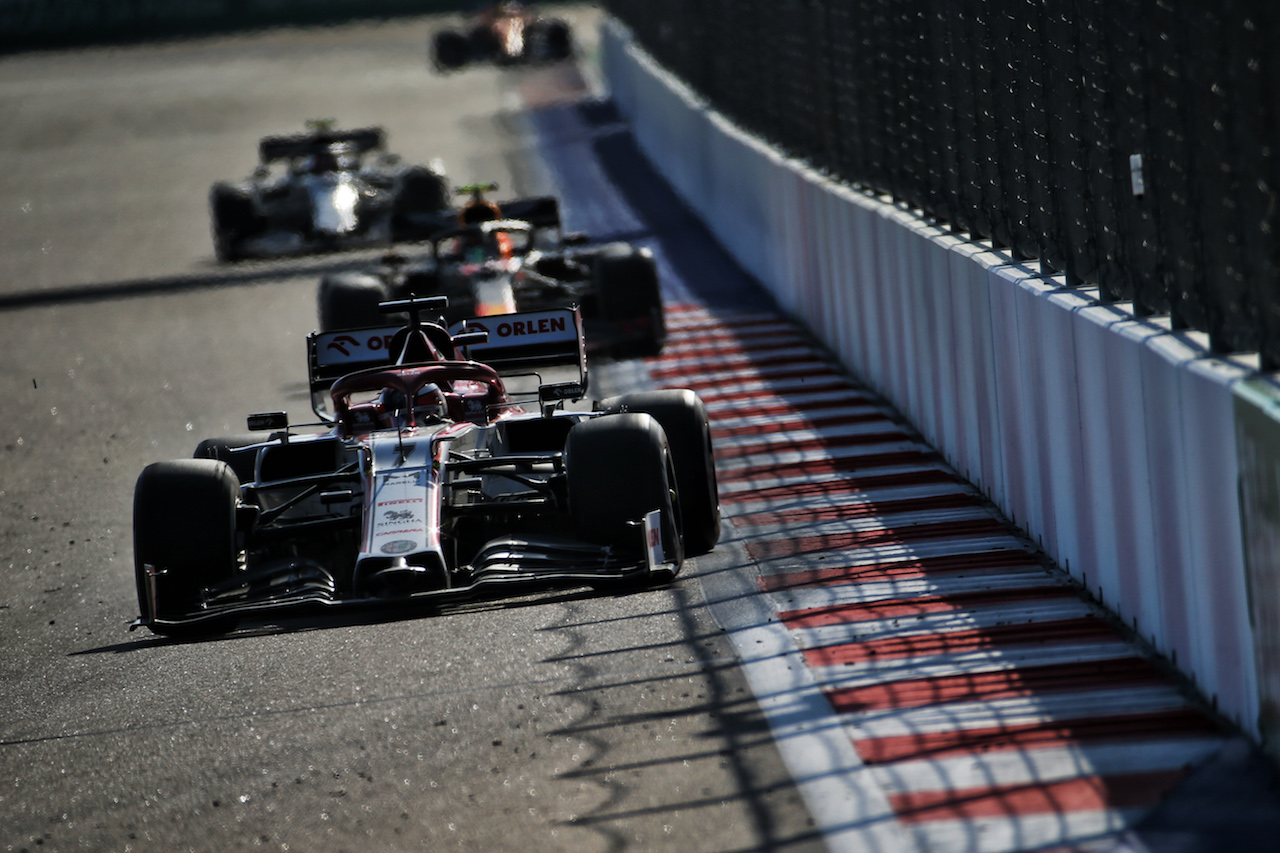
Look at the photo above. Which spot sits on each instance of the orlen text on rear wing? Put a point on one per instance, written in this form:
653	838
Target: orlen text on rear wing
527	340
522	343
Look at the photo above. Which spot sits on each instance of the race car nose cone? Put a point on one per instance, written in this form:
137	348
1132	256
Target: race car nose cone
333	207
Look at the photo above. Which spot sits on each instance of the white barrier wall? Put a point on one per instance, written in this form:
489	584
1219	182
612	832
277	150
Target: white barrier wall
1110	439
1257	423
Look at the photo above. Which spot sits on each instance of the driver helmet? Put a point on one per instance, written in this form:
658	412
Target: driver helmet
324	161
429	406
478	210
392	409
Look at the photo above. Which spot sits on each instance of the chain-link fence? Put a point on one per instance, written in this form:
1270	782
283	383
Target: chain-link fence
1130	144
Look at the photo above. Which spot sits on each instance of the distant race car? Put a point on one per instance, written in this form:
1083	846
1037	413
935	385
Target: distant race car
324	190
514	257
507	33
433	481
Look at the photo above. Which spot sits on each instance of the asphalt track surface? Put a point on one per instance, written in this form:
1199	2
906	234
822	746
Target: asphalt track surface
568	720
564	721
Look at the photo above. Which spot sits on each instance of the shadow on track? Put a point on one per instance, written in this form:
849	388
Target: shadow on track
303	619
639	205
245	274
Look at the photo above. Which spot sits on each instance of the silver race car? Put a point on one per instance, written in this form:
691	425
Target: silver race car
324	190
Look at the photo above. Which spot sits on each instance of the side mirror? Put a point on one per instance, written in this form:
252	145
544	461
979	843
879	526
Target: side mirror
467	339
552	395
268	420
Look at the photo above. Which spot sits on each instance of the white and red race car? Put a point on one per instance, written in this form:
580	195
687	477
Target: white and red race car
431	480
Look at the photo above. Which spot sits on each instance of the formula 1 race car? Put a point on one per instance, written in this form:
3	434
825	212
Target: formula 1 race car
507	33
323	190
514	257
431	482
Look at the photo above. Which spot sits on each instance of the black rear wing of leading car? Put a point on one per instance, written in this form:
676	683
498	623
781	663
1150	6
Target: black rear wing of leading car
538	211
513	344
363	140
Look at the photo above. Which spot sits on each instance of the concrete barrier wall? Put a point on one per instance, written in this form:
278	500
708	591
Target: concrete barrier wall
1257	425
1112	440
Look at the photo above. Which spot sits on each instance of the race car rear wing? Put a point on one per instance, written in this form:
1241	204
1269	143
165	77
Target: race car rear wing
274	148
538	211
526	339
512	344
535	214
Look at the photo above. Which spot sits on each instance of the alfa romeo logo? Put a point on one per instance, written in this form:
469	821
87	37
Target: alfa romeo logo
399	546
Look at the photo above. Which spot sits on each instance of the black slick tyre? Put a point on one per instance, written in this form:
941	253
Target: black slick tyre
552	39
450	51
422	196
184	530
557	40
233	220
684	419
630	297
234	450
350	301
618	468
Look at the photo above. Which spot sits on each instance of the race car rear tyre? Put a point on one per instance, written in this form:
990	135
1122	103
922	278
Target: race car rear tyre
627	289
684	419
233	450
484	45
350	301
449	51
184	527
618	468
556	40
423	195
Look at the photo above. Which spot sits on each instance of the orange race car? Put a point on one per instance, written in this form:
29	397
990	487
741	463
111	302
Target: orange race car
508	33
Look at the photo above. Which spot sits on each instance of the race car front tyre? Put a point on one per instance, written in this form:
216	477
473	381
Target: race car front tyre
684	419
628	292
184	536
350	301
618	468
449	51
233	450
233	220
